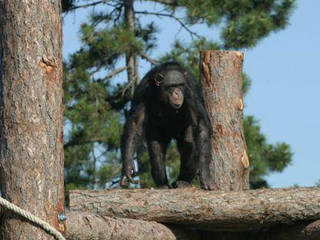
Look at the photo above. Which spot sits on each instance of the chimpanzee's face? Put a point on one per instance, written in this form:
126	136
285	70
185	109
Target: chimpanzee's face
172	85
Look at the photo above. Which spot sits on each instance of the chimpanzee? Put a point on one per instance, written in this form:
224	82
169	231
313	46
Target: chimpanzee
167	104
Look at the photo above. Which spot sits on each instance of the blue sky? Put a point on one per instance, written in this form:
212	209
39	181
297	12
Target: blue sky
284	94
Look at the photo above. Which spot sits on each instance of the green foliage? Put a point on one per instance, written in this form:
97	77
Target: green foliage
243	23
246	84
264	157
96	106
103	48
93	127
188	54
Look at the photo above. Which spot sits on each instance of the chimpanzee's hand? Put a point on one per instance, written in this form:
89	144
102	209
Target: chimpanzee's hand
128	173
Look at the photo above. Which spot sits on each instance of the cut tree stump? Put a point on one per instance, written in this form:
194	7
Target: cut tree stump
215	211
221	81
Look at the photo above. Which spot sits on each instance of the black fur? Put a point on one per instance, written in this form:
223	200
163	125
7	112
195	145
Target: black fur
153	118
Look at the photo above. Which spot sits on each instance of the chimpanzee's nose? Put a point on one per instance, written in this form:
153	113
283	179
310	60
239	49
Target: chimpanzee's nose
176	94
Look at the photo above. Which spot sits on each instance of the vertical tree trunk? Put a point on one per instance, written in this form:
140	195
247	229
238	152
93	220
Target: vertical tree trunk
31	141
131	59
221	80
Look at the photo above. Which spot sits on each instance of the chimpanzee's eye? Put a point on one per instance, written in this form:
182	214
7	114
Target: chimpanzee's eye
167	87
181	86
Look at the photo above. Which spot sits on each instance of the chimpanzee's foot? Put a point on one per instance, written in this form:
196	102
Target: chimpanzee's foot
181	184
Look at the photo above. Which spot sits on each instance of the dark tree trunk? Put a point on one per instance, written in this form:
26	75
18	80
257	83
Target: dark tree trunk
210	210
131	59
31	115
221	80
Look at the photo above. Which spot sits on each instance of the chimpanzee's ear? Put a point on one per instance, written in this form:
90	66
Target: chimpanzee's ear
158	79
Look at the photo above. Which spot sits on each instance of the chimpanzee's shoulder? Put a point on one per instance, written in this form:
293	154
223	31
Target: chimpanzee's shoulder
142	91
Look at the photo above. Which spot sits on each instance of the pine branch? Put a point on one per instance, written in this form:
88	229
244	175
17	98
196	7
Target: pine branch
117	9
88	5
115	72
173	3
183	25
77	142
127	87
149	59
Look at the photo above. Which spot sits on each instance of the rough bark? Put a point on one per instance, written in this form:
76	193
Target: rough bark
83	226
221	80
31	114
227	211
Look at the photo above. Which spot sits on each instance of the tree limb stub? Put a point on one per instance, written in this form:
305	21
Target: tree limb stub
214	211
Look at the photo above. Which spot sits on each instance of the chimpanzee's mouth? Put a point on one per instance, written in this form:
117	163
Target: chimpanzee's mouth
176	106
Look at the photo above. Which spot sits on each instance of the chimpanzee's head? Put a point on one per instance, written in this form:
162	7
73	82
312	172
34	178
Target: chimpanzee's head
172	87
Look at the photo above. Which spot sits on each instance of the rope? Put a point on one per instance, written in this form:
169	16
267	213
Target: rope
44	225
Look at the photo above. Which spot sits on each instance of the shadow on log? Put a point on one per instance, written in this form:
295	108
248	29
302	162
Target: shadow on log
299	231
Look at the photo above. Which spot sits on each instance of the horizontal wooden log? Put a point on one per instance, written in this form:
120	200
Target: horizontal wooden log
84	226
211	210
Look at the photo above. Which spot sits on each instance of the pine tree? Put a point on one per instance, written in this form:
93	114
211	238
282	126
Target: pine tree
115	40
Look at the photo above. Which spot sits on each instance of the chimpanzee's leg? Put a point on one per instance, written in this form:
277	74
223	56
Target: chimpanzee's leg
157	146
187	149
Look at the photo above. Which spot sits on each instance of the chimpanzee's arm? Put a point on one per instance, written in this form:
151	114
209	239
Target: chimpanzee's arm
131	137
204	138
